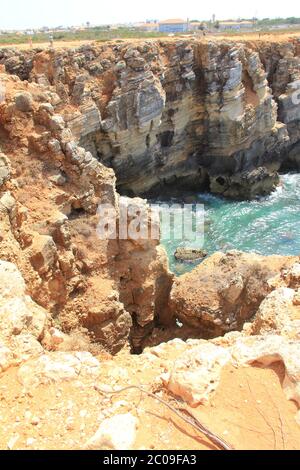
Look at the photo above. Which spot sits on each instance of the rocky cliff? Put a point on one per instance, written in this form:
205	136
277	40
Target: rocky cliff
78	125
49	194
173	114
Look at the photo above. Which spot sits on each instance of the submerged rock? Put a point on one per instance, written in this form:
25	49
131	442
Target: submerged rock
189	254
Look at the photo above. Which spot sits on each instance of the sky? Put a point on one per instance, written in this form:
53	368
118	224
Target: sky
21	14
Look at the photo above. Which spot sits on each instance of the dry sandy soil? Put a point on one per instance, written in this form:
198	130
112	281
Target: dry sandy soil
249	410
278	36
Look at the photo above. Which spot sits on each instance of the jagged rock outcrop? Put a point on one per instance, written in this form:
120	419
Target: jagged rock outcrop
279	313
224	292
50	192
218	115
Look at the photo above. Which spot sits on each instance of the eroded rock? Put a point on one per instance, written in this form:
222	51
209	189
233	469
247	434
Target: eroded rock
224	292
58	367
116	433
196	374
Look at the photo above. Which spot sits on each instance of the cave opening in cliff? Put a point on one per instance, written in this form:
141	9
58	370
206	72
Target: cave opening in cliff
166	138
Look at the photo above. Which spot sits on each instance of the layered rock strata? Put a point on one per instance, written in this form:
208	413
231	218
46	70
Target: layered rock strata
218	115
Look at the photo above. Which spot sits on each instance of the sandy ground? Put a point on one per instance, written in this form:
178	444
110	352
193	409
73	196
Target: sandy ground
249	410
278	36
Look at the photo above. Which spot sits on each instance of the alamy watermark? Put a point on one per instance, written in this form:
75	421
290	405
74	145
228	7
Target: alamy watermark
139	221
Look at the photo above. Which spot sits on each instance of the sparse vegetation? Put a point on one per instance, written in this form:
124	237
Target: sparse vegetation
92	34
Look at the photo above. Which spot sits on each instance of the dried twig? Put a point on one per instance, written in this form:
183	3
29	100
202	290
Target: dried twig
262	414
279	416
191	420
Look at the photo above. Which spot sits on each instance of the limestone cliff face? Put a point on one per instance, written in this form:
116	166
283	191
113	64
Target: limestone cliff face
197	114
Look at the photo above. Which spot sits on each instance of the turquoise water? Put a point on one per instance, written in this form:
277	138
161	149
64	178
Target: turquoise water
269	225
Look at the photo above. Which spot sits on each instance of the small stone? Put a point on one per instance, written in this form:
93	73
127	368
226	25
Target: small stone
24	102
116	433
35	421
30	441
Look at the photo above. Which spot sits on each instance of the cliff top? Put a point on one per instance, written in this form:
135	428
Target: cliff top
255	37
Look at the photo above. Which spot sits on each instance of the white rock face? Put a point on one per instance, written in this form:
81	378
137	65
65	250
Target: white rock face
22	321
275	312
21	314
12	283
57	367
116	433
196	374
269	349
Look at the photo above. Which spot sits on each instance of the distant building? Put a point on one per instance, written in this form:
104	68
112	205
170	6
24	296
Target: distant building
149	26
235	25
173	26
197	26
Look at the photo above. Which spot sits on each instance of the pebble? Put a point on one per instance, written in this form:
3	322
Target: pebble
30	441
35	421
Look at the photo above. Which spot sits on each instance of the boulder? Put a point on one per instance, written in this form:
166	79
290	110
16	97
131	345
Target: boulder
275	313
22	321
116	433
224	291
6	357
24	102
20	314
266	350
43	253
196	374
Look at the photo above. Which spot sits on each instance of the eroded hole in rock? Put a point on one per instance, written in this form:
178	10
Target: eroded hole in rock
166	138
76	213
221	181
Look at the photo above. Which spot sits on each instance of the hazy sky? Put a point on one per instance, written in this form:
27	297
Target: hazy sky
35	13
